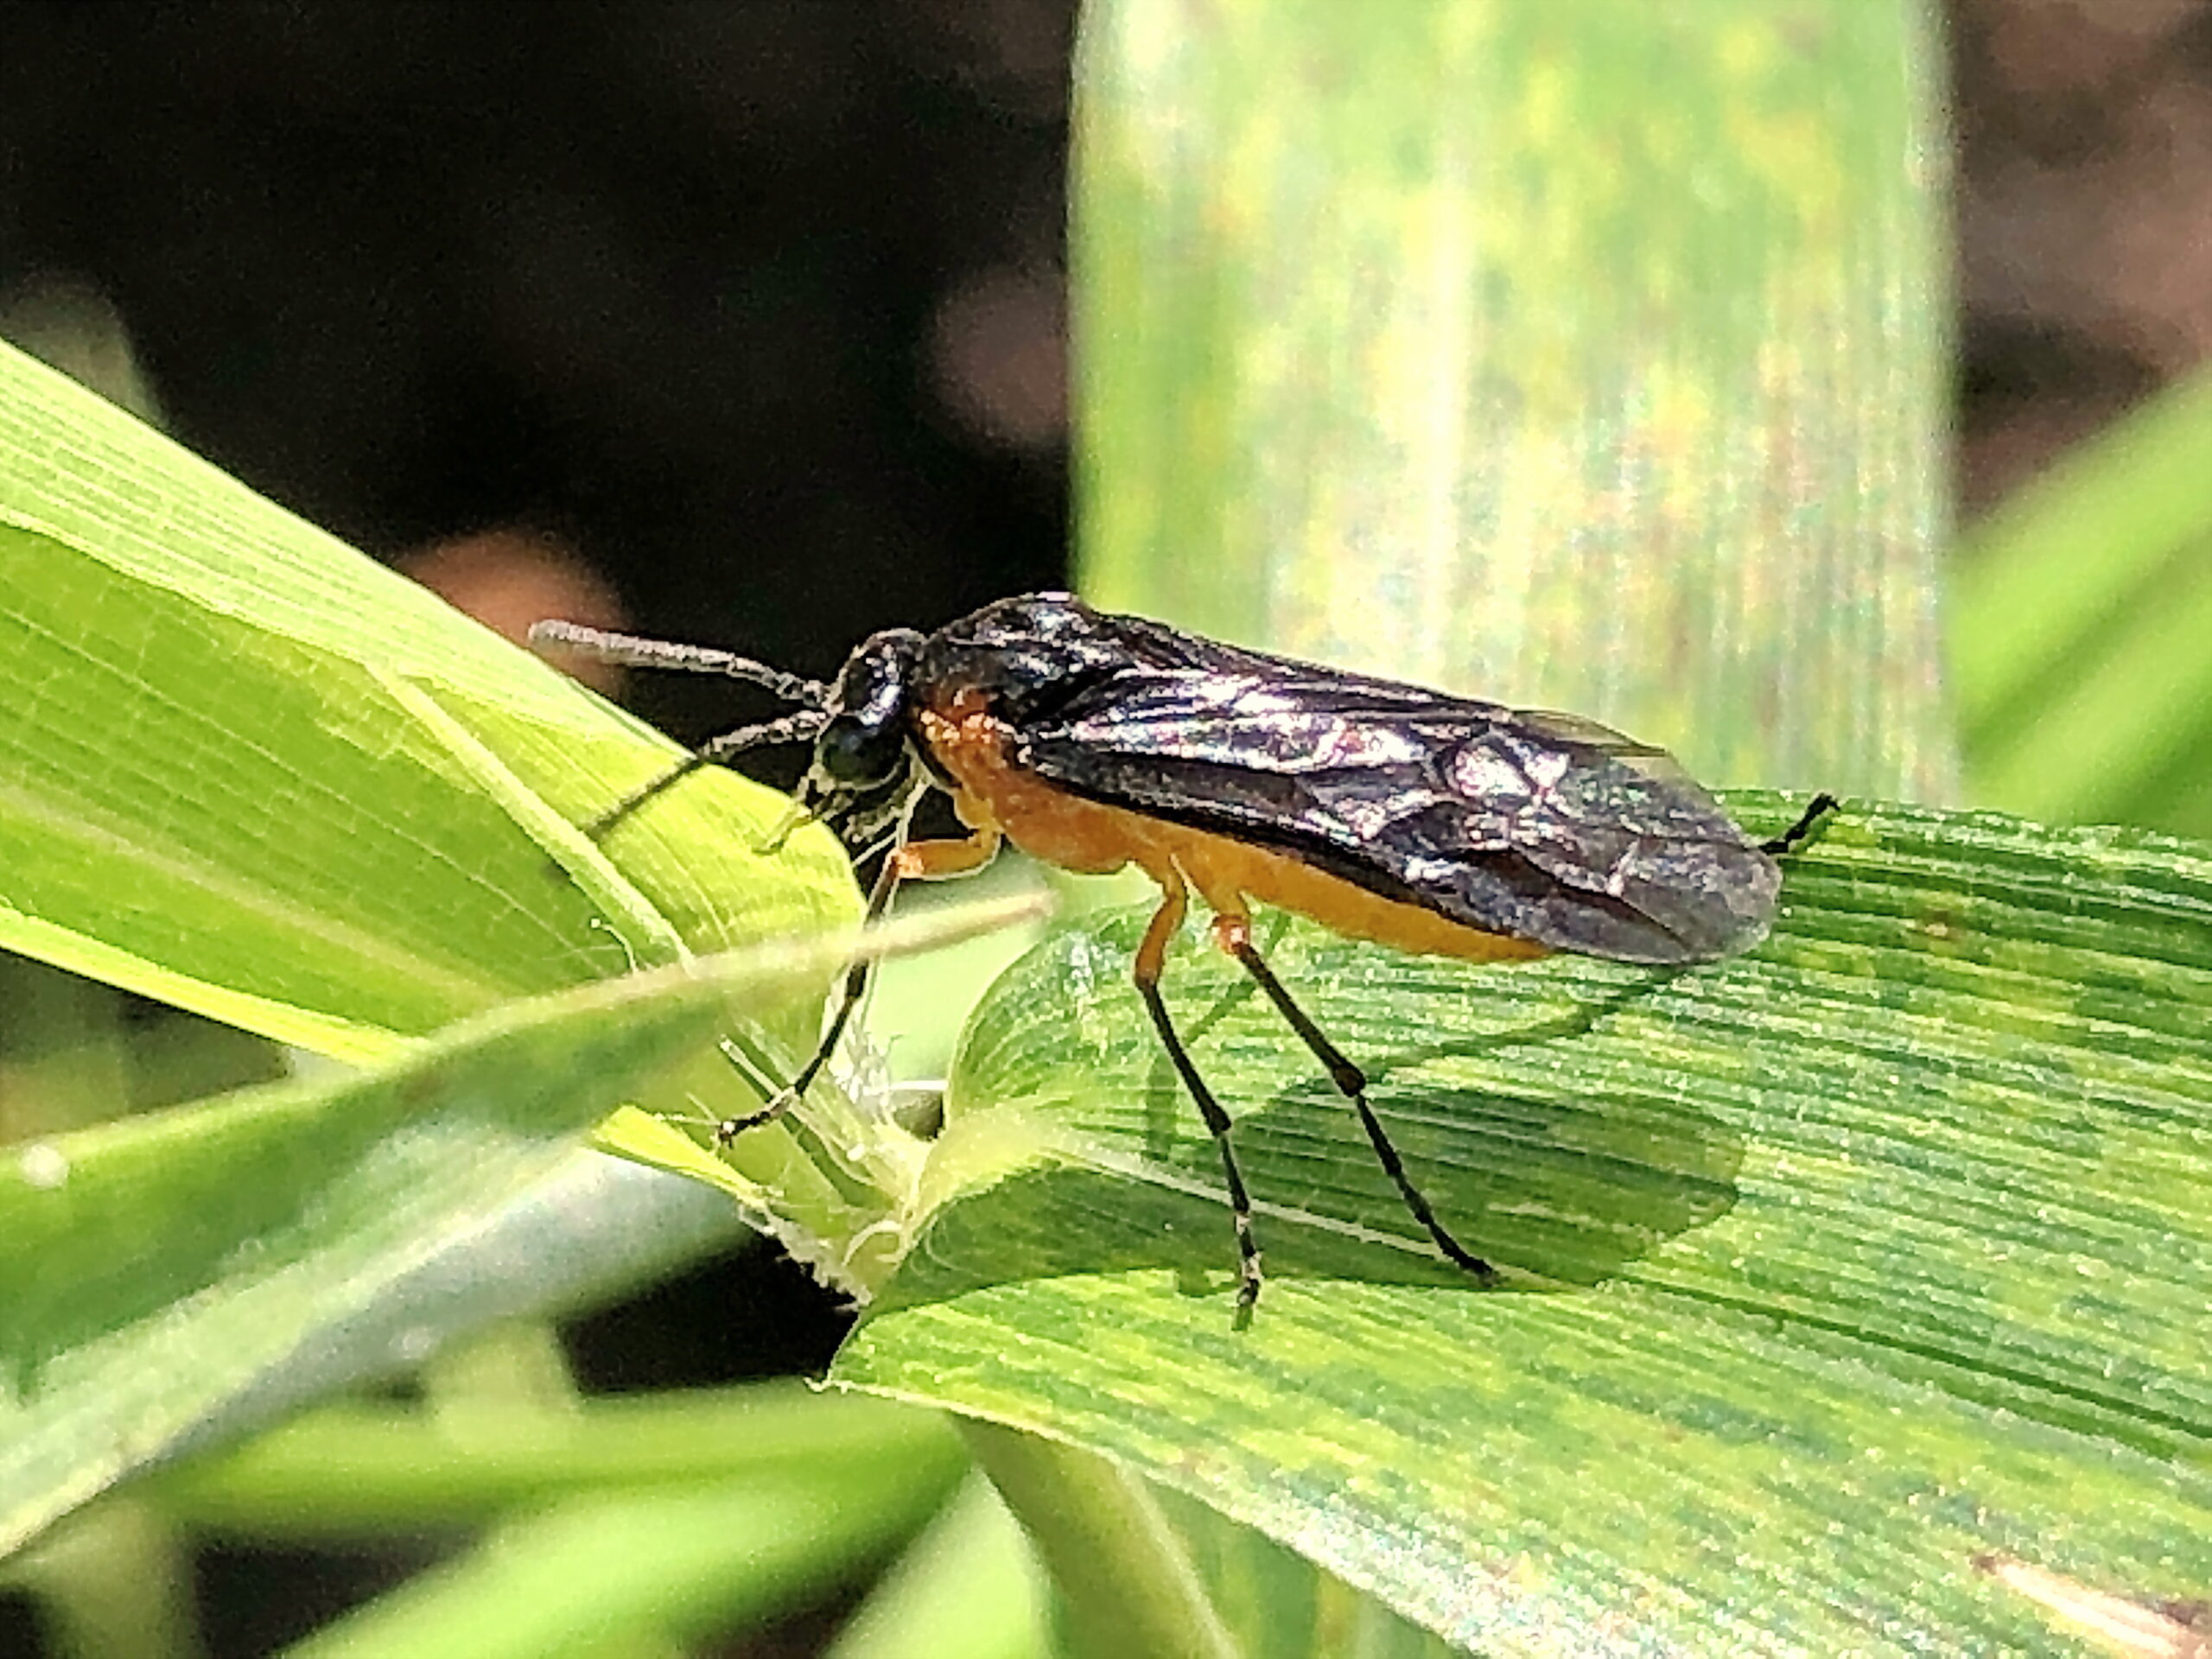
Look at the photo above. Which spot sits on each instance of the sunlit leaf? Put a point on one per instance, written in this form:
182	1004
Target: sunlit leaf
1838	1268
174	1277
1587	357
252	773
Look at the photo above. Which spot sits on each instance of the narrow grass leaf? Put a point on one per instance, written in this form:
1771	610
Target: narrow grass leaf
171	1275
1837	1271
251	773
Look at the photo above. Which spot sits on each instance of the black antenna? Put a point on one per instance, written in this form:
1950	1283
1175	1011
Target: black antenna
799	726
628	650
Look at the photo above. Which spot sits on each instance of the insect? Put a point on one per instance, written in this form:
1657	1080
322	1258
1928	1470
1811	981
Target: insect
1429	823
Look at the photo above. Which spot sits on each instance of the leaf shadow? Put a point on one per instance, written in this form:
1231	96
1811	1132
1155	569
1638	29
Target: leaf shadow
1557	1189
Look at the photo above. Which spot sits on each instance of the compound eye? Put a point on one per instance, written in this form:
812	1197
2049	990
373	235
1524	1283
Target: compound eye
852	753
865	743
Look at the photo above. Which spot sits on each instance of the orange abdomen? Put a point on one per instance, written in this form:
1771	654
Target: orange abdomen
1091	839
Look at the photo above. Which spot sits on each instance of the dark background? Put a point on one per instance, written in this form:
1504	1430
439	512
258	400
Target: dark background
756	307
744	322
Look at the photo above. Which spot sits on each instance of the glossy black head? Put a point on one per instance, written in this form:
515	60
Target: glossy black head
862	762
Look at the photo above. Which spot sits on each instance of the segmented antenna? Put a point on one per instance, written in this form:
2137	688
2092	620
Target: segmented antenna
802	724
799	726
628	650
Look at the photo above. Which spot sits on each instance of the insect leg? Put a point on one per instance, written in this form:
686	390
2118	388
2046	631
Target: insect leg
917	861
1801	831
1232	932
1152	956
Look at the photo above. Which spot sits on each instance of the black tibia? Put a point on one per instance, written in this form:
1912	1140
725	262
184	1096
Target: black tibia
917	861
1351	1084
1801	831
857	977
1151	954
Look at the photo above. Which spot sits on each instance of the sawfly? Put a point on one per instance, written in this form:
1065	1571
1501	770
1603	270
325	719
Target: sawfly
1387	812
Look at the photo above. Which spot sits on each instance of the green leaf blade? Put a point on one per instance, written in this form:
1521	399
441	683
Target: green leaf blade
2080	609
1574	359
1838	1268
176	1276
259	777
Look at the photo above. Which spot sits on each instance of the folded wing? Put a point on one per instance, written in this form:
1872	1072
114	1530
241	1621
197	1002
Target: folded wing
1536	825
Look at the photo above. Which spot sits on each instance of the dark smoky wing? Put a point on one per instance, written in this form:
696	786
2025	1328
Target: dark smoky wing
1539	826
1548	725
